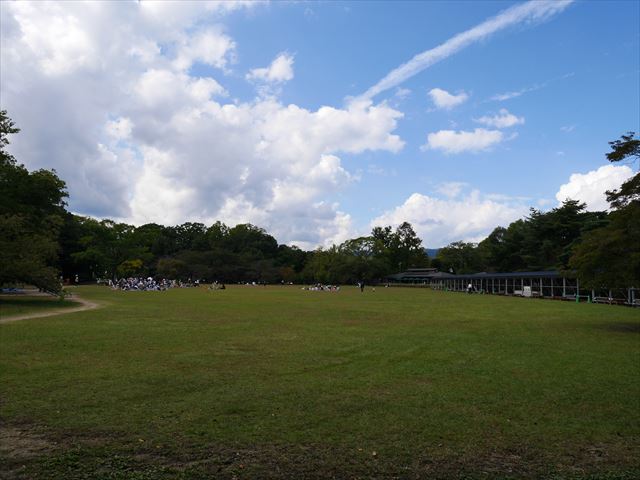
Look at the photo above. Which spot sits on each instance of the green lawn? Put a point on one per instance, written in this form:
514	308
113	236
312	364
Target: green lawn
276	382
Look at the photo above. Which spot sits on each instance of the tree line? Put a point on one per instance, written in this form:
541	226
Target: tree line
245	252
40	241
602	249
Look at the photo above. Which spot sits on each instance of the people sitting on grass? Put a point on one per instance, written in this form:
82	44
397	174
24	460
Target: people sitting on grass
319	287
144	284
216	286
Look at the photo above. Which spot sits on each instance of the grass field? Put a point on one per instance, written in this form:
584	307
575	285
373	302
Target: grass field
11	305
276	382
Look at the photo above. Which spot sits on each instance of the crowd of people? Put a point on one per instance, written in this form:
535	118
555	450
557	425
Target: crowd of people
151	284
144	284
319	287
217	286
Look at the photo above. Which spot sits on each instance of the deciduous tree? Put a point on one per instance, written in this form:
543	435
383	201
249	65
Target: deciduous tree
32	209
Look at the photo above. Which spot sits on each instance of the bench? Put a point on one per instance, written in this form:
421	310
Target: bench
576	298
609	300
602	300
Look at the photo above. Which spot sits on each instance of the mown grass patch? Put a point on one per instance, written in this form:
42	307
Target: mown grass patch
397	382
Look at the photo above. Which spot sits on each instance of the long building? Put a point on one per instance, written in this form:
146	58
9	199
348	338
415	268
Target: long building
543	284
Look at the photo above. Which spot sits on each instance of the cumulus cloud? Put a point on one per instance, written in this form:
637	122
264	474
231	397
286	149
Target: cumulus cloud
590	187
169	15
138	138
72	50
503	119
210	47
445	100
450	141
119	129
451	189
279	71
259	162
439	222
168	90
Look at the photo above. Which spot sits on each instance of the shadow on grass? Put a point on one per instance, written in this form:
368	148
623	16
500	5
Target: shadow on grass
11	306
622	327
37	302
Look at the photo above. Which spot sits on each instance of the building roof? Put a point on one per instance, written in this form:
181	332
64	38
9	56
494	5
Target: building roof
433	274
538	274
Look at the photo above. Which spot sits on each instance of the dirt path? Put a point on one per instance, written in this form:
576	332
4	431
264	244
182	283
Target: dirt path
84	305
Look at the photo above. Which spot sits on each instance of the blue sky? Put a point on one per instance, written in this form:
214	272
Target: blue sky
258	112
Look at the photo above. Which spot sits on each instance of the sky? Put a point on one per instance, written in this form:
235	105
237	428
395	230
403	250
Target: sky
320	120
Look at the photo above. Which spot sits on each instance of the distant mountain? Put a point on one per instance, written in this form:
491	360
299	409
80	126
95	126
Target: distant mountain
432	252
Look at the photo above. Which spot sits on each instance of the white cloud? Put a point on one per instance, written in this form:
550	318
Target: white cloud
445	100
503	119
451	189
166	90
210	47
374	169
157	196
534	10
73	47
590	187
119	129
501	197
450	141
163	18
280	70
139	139
402	93
439	222
500	97
60	38
568	128
257	162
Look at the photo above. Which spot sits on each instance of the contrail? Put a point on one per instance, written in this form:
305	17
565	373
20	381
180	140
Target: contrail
534	10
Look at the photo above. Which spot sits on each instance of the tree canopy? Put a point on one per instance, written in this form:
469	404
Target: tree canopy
32	213
625	148
610	256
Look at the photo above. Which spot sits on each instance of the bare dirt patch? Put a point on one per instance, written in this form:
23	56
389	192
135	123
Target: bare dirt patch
35	452
30	452
22	442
